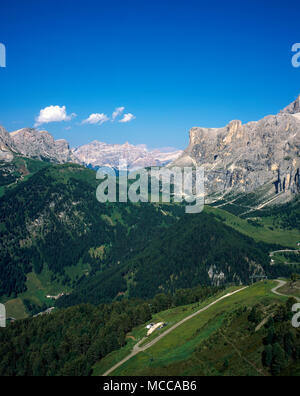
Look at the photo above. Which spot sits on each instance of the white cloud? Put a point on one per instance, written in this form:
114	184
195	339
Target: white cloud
117	113
127	117
53	114
96	118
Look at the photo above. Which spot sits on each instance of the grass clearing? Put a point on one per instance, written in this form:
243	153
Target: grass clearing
15	309
264	230
41	285
175	315
291	289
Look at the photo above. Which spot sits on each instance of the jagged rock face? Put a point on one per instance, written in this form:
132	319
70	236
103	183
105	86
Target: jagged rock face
7	147
246	157
101	154
41	145
293	108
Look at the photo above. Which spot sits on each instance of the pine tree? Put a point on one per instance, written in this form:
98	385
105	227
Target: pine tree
267	357
279	360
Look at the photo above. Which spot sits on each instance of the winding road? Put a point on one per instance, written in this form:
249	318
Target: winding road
281	284
284	251
137	349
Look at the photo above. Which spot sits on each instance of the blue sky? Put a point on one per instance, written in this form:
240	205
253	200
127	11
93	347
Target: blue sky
173	64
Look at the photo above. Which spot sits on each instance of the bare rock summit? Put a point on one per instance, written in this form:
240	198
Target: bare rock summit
243	158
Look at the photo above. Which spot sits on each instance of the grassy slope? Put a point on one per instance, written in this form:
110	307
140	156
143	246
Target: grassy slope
38	286
20	170
15	309
174	355
170	317
291	289
182	342
266	233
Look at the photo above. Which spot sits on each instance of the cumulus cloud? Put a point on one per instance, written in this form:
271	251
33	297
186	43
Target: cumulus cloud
53	114
117	113
127	118
96	118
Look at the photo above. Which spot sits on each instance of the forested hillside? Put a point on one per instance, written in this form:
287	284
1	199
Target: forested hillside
286	216
53	220
198	249
70	341
50	220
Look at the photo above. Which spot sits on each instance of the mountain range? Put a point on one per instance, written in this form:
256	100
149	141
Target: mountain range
238	158
32	143
98	154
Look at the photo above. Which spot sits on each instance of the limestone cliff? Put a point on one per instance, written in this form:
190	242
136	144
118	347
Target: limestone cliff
243	158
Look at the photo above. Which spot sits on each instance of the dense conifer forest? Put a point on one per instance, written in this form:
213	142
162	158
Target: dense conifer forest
68	342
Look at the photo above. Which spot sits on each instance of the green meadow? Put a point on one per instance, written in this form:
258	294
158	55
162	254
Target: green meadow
180	345
260	229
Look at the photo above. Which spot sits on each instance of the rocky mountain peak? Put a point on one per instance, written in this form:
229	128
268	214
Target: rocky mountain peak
244	157
293	108
41	145
99	154
7	146
234	125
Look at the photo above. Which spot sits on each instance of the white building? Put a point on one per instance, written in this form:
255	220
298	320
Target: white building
155	327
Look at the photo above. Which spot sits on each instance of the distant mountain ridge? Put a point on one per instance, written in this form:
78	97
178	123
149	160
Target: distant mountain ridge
41	145
101	154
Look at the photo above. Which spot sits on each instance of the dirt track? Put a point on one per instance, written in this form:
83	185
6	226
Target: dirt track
281	284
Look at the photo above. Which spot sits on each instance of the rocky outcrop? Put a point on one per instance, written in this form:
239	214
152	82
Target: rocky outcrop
293	108
41	145
7	147
243	158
